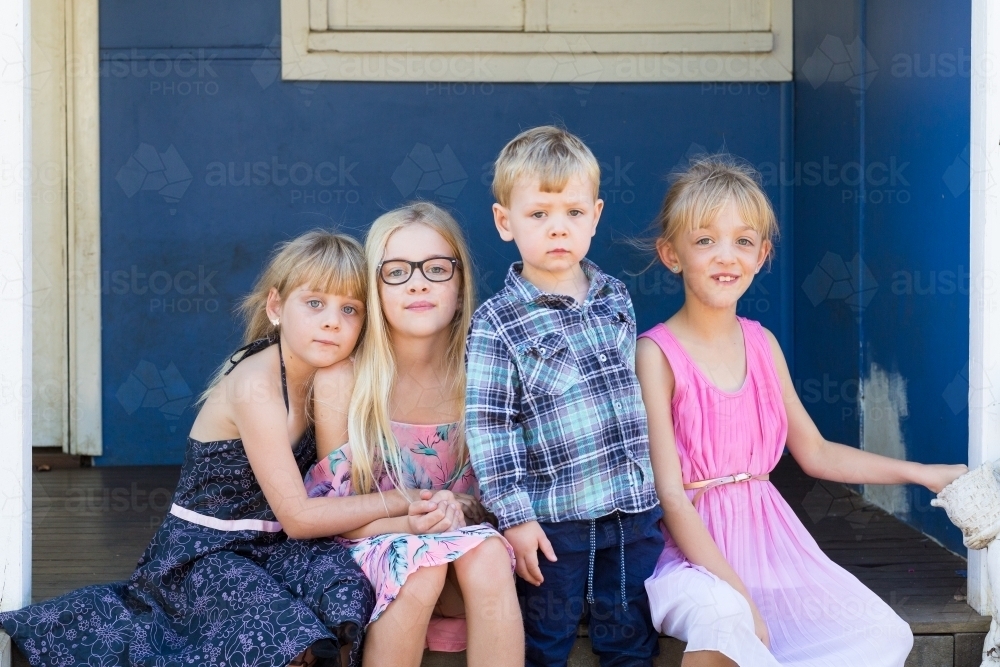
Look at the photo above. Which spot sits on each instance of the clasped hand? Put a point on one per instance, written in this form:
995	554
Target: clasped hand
442	511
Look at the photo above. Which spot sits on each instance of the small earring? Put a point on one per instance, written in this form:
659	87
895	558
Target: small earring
275	322
675	268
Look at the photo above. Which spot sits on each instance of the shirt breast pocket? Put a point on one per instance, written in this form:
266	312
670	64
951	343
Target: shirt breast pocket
547	365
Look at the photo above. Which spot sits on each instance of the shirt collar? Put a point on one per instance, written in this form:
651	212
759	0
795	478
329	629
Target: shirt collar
525	292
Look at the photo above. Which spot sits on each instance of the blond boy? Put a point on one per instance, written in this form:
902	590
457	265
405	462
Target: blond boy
555	422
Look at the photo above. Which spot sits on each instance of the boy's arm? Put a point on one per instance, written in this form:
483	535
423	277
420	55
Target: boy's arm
496	444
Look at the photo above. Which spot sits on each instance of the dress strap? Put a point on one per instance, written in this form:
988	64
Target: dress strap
253	348
284	382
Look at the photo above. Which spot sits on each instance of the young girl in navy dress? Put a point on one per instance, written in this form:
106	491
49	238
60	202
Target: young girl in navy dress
740	579
235	575
406	431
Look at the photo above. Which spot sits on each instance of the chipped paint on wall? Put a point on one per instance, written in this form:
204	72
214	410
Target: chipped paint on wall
883	406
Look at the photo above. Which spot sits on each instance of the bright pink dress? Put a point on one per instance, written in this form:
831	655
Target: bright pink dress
428	462
817	613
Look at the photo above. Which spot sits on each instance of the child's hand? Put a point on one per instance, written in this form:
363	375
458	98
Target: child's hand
425	516
938	476
447	502
527	539
472	509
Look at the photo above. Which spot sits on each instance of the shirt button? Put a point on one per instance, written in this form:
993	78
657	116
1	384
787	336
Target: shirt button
618	405
603	357
541	350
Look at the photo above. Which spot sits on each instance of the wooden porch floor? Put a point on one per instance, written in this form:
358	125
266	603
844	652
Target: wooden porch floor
91	525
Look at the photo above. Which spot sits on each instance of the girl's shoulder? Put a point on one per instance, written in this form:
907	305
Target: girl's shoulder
251	382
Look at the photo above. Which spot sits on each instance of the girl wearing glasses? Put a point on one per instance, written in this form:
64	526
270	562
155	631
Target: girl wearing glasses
405	431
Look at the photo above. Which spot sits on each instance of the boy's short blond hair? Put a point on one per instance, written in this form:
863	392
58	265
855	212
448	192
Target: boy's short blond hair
550	154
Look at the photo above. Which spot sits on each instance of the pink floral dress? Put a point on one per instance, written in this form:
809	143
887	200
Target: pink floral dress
428	462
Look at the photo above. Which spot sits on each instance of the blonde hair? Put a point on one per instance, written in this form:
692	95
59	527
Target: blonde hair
550	154
324	261
373	447
698	194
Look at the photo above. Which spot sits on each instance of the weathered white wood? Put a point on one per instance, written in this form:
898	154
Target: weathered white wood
318	15
49	298
490	67
536	15
336	14
536	43
641	16
619	49
84	226
749	14
984	299
435	14
15	313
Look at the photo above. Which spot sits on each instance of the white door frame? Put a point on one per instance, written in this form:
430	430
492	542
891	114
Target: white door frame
84	225
15	308
66	226
984	299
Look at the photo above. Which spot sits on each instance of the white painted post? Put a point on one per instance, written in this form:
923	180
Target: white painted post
15	314
984	306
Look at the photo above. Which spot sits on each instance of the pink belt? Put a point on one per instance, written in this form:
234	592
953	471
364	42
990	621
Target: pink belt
225	524
707	484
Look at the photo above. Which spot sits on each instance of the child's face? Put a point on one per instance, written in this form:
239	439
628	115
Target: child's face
718	261
552	230
322	329
419	307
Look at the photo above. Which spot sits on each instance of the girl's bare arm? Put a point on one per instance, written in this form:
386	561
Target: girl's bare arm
823	459
262	424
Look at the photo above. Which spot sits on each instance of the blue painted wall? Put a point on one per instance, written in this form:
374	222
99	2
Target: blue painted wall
882	260
208	159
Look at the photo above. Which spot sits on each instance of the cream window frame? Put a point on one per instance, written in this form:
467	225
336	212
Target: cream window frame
547	44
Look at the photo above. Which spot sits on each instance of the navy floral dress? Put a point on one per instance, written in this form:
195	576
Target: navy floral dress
205	596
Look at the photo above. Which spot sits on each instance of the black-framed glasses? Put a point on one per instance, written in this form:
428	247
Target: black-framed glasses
435	269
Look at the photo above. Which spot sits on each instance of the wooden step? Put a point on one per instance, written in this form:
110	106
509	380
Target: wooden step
5	649
960	650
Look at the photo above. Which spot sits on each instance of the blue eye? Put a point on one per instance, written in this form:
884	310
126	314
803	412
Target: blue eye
538	214
314	303
350	310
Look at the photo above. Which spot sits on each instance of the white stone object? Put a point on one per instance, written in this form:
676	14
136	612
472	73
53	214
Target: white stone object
973	504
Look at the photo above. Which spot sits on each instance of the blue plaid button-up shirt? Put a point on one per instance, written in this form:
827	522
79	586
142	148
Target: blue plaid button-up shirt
556	427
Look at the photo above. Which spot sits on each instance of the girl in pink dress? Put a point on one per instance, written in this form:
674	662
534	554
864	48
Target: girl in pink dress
404	429
740	579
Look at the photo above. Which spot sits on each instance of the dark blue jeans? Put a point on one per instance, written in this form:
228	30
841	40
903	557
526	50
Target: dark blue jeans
620	634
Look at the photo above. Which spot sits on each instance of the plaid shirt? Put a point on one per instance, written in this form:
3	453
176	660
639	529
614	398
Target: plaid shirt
556	427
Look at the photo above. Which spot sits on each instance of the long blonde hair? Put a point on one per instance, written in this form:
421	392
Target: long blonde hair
325	261
373	446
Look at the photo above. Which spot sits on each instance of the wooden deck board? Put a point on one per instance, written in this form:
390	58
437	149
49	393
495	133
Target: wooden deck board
92	524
